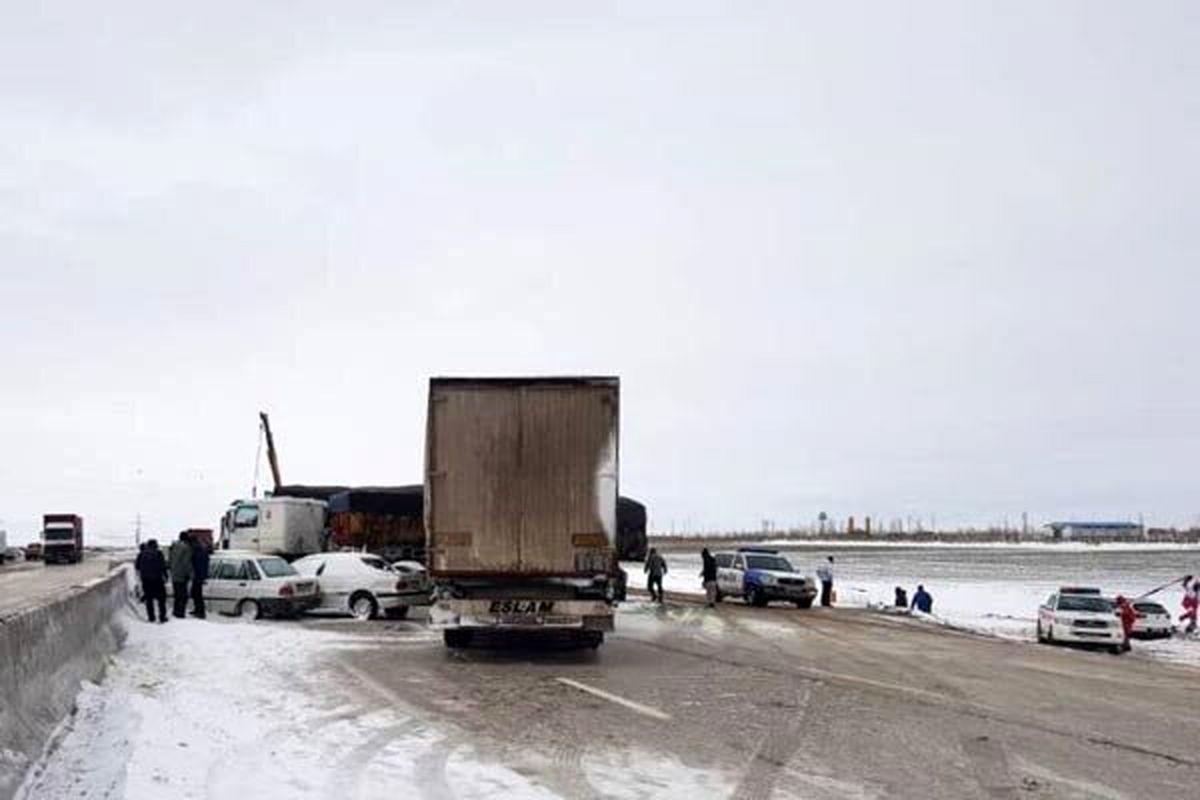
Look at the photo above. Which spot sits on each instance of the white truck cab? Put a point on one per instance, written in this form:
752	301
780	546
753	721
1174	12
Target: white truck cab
283	526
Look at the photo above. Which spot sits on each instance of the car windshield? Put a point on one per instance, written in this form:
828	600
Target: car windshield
778	563
377	563
1149	608
275	567
60	535
1080	602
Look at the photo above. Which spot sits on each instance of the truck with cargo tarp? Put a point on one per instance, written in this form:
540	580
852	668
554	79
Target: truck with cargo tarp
521	505
384	521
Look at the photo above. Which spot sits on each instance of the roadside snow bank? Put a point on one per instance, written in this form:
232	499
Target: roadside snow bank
46	653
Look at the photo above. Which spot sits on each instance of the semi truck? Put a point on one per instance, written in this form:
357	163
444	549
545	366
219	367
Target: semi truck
62	538
521	481
284	526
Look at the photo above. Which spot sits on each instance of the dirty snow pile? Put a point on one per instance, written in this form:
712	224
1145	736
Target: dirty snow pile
218	709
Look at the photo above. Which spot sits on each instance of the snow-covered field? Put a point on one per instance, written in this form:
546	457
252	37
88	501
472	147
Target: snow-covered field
989	589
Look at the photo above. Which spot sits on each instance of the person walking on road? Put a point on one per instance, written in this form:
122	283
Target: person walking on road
199	576
655	568
825	575
708	574
922	601
179	560
152	569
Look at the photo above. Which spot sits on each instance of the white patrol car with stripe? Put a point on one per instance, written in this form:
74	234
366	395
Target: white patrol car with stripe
1080	615
760	575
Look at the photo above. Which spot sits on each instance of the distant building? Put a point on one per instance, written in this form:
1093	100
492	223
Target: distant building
1096	531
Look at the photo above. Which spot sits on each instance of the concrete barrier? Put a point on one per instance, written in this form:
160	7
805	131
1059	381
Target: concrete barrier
45	653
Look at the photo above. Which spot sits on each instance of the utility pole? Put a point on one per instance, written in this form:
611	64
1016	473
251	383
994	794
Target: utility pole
137	530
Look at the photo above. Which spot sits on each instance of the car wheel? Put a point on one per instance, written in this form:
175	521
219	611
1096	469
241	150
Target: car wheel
804	603
1041	637
363	606
754	597
397	613
249	610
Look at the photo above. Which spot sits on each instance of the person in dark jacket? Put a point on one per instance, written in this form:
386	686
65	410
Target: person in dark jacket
199	576
901	597
922	601
152	569
179	561
655	568
708	574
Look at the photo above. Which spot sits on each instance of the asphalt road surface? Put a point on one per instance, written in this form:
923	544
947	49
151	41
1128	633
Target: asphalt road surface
759	703
32	583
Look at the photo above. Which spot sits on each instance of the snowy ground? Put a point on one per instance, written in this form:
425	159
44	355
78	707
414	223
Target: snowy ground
291	710
223	709
989	589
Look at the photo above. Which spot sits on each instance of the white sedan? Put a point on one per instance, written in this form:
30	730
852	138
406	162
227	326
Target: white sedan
1153	621
364	585
251	585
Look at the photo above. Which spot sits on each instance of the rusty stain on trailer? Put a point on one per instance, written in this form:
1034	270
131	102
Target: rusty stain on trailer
518	471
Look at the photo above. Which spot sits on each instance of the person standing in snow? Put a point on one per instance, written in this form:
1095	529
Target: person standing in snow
152	569
179	559
655	568
825	575
199	576
922	601
901	597
1128	617
708	575
1191	603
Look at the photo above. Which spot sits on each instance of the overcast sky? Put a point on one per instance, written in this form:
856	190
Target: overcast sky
883	258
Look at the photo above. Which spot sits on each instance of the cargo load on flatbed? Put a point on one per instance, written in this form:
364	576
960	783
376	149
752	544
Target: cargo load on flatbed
384	521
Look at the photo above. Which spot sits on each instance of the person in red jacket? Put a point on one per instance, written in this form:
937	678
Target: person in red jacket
1128	617
1191	603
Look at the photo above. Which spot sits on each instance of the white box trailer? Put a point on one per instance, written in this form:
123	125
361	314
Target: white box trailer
285	526
520	504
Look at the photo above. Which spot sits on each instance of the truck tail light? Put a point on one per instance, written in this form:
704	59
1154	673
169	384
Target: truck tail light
287	590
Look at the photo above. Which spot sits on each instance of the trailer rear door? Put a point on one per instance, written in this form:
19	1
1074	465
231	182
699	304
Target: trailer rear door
521	476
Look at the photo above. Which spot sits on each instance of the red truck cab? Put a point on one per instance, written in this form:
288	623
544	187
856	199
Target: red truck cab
62	538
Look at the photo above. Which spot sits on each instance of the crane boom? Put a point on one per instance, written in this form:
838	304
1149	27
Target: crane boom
272	457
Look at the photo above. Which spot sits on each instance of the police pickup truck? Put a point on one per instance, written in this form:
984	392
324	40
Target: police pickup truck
759	575
1080	615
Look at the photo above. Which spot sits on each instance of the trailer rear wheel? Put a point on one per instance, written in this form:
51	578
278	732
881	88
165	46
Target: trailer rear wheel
592	639
456	637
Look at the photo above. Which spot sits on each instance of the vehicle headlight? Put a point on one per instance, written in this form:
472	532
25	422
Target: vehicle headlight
767	580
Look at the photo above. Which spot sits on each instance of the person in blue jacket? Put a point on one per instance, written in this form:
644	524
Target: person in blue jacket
922	601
